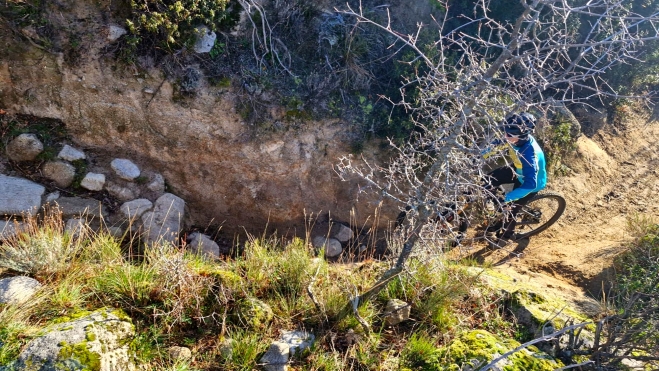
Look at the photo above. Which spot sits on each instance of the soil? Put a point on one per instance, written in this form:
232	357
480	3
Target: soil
614	178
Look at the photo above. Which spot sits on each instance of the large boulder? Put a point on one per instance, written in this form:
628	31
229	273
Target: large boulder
474	349
76	207
164	223
97	341
19	196
16	290
204	245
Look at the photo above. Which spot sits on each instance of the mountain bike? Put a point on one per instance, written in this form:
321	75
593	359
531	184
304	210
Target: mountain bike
539	213
534	217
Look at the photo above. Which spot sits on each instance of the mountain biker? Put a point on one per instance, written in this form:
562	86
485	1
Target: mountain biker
529	175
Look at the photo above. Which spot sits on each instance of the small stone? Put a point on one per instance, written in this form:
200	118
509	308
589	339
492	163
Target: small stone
178	354
121	193
332	246
276	358
297	340
397	311
60	172
93	181
205	40
125	169
135	208
69	153
341	232
16	290
115	32
226	347
25	147
158	184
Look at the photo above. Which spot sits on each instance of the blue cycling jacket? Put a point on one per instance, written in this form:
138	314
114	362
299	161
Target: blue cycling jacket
529	162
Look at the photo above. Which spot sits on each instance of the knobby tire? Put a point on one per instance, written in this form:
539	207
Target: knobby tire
559	211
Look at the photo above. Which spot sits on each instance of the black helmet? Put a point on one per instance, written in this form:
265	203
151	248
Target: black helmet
520	125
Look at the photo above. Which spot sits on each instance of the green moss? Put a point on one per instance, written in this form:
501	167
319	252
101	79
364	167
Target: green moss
482	346
80	353
71	317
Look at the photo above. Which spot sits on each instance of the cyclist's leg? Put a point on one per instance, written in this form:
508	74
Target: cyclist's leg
499	177
511	221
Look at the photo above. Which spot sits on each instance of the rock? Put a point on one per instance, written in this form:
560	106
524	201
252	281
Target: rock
332	246
157	184
93	181
115	32
397	311
69	153
254	313
75	227
98	341
25	147
163	224
16	290
341	232
202	244
179	354
75	207
478	347
133	210
116	232
9	229
125	169
62	173
121	193
226	347
297	341
205	40
52	197
19	196
276	358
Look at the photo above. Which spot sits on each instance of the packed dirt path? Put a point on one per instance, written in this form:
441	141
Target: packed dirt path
614	179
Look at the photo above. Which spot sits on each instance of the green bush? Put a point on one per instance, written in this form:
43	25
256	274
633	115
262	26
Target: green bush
174	21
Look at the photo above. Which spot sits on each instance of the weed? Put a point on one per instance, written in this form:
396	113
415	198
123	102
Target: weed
420	353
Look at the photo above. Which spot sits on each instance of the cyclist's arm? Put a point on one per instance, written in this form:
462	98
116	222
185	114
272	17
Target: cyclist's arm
494	148
530	170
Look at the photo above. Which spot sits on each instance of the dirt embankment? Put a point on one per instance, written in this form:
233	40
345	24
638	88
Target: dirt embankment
614	178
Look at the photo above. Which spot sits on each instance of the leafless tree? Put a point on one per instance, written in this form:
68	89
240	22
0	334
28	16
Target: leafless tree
554	53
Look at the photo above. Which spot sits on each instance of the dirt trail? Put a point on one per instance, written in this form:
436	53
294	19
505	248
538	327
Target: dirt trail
615	177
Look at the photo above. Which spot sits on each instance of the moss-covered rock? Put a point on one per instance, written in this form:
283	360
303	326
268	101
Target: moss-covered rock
254	313
479	347
94	341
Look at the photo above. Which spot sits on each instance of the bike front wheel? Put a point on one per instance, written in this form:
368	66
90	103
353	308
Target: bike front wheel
542	211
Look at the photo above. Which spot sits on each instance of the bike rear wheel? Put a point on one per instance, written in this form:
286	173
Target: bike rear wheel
541	212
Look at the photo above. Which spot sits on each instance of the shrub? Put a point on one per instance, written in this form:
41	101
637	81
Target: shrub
41	249
173	21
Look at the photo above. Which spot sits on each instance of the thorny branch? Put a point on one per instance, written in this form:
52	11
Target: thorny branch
478	73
